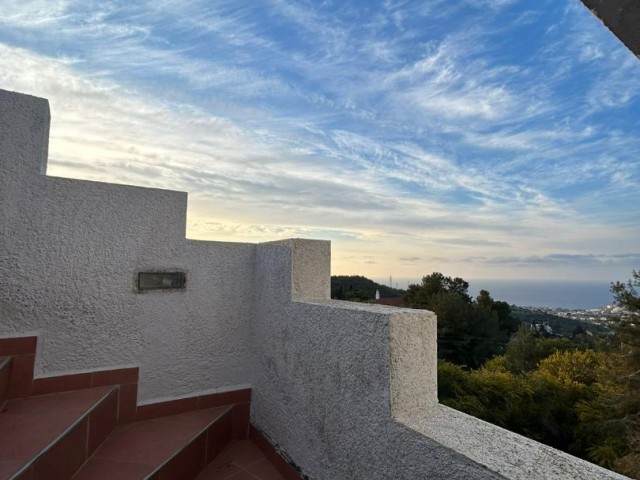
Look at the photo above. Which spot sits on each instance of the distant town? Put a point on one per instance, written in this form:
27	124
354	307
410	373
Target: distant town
601	318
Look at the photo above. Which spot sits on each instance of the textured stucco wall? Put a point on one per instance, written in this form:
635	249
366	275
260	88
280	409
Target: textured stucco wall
622	17
323	382
349	390
508	453
69	251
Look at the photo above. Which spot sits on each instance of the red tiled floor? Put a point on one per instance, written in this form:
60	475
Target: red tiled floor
240	460
188	463
265	471
102	421
31	425
59	402
137	449
105	469
8	468
66	456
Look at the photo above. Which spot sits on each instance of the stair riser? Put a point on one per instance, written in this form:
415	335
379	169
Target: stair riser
23	353
66	454
191	460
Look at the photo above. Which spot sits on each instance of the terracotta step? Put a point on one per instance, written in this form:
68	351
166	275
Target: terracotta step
51	436
241	460
166	448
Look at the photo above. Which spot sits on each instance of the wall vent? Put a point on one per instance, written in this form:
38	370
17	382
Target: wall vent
161	280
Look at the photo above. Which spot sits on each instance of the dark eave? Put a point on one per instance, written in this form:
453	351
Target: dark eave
622	17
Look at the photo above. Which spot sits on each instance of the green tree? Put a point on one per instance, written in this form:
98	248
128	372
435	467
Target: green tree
527	349
626	372
469	331
626	294
610	422
359	288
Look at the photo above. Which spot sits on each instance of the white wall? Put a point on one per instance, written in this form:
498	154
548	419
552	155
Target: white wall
69	252
325	382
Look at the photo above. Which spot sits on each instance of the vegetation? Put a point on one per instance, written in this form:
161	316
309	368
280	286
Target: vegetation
470	331
356	288
580	396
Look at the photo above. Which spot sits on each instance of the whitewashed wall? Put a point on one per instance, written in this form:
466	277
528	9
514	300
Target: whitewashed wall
325	388
69	252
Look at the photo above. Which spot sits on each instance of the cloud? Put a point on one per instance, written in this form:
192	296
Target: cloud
453	141
556	259
35	13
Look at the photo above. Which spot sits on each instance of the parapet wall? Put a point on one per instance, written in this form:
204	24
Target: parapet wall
330	376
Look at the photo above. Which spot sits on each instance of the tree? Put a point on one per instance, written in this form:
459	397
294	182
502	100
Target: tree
626	372
527	349
610	422
626	295
469	331
360	289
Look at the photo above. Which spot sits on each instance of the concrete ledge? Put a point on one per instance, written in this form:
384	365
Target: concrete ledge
502	451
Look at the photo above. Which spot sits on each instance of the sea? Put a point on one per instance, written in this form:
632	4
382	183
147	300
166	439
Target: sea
572	295
549	293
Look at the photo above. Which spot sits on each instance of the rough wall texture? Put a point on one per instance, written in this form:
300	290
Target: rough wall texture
323	383
508	453
622	17
69	252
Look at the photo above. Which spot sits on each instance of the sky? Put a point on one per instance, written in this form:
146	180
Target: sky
478	138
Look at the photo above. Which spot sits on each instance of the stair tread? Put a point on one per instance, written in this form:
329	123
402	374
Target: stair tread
29	426
240	459
136	450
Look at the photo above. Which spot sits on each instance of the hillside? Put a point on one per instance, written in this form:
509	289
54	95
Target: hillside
357	287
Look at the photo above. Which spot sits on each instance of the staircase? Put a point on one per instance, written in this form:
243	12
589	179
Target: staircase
88	427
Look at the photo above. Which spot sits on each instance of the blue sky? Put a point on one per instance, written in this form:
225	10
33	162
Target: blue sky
485	138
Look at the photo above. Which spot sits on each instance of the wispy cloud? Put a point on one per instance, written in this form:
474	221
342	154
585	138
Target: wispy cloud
500	130
557	259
